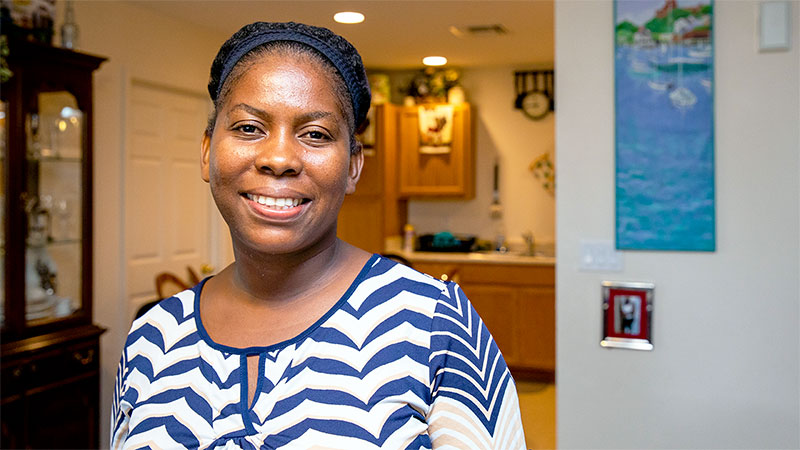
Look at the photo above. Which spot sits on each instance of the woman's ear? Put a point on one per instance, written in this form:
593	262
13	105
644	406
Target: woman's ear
205	155
354	173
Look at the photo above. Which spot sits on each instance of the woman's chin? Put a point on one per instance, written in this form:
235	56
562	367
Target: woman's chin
281	244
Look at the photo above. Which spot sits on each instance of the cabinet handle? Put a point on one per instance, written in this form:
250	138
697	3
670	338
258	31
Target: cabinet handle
453	276
84	360
17	373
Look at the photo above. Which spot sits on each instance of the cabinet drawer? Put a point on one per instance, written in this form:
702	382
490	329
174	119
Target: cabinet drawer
72	361
12	377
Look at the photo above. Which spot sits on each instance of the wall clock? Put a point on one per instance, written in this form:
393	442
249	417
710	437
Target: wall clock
535	91
535	105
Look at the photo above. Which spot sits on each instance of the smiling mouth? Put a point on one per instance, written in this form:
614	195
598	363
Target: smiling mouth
277	203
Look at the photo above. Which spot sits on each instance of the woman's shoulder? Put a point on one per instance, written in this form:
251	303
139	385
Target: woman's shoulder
166	320
386	285
387	272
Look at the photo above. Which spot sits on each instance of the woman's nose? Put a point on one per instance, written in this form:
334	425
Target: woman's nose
279	155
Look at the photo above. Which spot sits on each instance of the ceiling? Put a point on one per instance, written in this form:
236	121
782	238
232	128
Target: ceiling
397	34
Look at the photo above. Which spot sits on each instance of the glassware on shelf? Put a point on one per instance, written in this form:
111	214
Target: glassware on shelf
39	221
33	147
69	30
40	284
63	212
62	125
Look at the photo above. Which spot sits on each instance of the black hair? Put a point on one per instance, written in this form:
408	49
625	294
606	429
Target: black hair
332	51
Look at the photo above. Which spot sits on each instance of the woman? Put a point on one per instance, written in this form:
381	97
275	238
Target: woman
305	341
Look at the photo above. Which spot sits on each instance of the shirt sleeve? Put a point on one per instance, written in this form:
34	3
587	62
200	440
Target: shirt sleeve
120	408
474	402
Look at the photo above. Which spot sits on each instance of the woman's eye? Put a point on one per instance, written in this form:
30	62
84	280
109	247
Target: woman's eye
247	129
317	135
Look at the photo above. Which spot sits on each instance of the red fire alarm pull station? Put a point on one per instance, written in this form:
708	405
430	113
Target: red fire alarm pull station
627	315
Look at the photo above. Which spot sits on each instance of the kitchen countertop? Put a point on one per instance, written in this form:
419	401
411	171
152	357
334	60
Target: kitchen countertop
477	257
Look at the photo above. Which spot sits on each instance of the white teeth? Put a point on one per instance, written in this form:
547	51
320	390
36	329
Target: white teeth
277	203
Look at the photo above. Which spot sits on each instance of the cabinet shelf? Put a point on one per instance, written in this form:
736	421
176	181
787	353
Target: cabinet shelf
57	159
56	242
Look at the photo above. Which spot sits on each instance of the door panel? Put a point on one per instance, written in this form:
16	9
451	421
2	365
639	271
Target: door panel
167	204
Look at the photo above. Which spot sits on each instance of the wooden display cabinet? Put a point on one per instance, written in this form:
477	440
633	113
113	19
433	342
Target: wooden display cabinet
517	304
50	347
450	174
375	211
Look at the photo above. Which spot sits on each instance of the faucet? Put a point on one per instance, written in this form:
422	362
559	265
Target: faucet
529	242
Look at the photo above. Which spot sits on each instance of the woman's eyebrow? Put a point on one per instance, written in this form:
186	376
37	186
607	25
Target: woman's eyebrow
250	109
315	115
305	117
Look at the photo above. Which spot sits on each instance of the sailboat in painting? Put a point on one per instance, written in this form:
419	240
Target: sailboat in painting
657	83
682	97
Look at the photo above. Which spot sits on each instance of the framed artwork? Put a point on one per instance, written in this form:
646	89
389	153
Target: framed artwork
435	128
627	315
664	125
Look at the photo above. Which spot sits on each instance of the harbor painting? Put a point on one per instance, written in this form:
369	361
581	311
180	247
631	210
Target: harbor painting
664	125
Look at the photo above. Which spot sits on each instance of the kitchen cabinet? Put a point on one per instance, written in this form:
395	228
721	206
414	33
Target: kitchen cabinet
50	347
517	304
375	211
443	174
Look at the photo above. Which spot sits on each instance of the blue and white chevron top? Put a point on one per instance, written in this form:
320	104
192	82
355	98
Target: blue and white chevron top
401	361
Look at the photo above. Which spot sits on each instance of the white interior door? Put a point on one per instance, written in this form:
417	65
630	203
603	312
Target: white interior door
168	220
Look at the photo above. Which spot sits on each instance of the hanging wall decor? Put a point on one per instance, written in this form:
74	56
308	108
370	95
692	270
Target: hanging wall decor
664	125
628	315
535	93
435	129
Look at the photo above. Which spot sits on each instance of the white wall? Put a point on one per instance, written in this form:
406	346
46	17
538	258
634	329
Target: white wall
145	47
724	372
503	133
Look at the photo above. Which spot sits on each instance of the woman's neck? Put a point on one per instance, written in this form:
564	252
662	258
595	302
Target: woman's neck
286	277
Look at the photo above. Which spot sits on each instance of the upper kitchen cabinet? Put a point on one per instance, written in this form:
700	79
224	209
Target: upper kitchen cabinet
436	155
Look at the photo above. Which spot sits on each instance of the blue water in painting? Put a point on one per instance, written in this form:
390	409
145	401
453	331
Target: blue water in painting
665	148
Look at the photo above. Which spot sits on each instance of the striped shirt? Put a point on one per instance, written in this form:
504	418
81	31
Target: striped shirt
401	361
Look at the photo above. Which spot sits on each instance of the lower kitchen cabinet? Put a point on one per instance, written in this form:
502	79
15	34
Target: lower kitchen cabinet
517	304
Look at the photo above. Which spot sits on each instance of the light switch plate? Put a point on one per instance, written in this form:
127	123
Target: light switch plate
600	255
774	25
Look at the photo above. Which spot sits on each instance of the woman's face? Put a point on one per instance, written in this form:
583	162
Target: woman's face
279	160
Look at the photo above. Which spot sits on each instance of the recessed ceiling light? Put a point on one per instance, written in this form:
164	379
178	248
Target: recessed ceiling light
348	17
434	60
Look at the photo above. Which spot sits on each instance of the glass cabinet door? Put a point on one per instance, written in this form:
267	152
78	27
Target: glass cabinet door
52	202
3	162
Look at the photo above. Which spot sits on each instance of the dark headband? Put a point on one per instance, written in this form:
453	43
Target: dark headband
336	49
